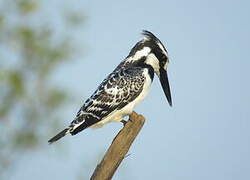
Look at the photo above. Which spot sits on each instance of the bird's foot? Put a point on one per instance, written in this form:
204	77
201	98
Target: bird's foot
123	122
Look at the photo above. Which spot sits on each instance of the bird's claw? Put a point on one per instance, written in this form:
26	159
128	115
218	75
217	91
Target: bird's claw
123	122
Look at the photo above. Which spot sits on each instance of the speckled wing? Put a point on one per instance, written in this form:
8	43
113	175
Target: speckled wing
116	91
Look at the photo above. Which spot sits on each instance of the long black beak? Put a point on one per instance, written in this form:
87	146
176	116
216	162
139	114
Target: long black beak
165	85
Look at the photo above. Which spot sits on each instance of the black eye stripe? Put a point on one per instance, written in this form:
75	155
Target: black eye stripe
159	54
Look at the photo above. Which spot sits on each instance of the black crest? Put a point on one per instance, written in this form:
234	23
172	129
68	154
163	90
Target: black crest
149	35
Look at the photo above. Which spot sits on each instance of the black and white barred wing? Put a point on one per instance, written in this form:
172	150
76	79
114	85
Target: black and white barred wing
119	89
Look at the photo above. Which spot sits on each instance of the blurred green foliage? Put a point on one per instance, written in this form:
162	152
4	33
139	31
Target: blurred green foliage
27	6
29	55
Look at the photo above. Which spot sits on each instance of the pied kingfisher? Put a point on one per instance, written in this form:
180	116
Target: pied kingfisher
124	88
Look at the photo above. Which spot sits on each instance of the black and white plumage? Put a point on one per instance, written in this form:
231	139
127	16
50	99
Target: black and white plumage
125	87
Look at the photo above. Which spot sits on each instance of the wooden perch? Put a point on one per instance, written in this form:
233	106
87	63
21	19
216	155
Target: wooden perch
119	148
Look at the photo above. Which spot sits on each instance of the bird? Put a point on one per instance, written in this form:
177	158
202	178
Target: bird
124	88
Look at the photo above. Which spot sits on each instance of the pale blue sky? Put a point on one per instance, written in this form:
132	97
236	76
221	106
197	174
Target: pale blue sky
205	135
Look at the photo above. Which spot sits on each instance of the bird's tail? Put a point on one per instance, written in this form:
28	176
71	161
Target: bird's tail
59	135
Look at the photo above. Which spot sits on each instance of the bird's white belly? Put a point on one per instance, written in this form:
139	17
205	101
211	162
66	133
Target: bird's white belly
118	115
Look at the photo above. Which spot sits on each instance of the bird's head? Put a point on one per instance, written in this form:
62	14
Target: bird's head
150	51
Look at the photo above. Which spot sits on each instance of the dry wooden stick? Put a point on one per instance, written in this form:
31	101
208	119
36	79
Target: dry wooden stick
119	148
